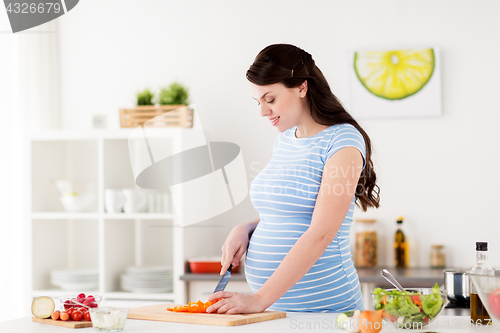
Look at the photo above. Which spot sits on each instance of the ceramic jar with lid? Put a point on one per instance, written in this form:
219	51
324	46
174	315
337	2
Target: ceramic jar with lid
438	257
366	243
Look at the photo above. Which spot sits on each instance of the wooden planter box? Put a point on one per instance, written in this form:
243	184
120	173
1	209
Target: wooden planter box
165	116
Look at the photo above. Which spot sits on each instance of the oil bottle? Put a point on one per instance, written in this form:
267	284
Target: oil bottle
400	246
478	313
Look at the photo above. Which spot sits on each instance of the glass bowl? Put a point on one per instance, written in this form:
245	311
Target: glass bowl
71	301
417	309
488	290
108	319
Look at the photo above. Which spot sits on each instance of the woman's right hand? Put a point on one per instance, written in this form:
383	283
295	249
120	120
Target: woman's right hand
234	247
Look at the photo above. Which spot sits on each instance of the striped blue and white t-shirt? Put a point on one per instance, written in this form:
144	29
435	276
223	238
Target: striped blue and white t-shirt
284	193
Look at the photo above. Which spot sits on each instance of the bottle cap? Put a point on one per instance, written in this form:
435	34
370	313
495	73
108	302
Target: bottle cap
437	246
481	246
400	220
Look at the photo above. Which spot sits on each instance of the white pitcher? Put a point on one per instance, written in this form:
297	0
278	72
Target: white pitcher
113	201
135	201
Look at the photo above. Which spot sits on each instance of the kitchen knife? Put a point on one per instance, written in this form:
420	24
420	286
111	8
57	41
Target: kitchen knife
224	280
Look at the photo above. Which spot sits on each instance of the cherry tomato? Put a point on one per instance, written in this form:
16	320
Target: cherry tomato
56	315
77	316
64	316
86	316
70	311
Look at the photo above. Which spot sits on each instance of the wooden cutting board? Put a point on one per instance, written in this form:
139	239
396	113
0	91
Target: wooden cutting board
159	313
68	323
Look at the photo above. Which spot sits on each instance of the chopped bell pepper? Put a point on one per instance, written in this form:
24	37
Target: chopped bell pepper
197	307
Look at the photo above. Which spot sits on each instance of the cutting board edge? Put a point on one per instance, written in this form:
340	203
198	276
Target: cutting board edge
186	321
206	319
67	324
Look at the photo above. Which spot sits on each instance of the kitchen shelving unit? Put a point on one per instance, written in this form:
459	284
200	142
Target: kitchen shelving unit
96	239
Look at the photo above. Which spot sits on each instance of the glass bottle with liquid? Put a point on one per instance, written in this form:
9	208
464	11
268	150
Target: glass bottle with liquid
478	313
400	246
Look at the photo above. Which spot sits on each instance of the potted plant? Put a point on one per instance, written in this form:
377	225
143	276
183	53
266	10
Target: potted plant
145	97
171	111
174	94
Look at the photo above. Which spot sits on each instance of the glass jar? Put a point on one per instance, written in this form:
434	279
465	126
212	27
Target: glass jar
366	243
438	257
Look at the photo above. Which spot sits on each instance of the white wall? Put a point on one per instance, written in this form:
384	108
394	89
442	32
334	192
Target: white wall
13	241
440	173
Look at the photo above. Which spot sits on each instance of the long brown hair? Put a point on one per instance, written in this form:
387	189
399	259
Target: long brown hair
290	65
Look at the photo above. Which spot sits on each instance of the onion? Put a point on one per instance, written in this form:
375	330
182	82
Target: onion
43	307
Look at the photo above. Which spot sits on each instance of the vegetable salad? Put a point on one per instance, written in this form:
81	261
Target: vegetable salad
408	307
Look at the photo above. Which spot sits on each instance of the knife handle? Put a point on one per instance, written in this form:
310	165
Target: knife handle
230	268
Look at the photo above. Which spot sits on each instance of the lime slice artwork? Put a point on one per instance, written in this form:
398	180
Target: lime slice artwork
394	75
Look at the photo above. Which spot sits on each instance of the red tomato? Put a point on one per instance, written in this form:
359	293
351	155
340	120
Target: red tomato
77	316
494	302
416	299
86	316
70	311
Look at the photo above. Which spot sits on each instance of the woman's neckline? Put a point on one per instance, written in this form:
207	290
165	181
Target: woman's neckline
294	135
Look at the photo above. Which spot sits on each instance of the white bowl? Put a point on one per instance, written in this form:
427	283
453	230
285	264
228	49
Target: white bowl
108	319
77	203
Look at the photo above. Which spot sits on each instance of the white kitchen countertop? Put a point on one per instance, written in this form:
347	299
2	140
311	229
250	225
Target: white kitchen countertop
294	322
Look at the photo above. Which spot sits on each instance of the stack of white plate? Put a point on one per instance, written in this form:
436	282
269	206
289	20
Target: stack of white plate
158	279
75	279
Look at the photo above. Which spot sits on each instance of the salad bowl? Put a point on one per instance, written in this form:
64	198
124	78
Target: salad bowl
413	308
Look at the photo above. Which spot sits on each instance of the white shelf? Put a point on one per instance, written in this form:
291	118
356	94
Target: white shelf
139	216
63	216
139	296
87	216
122	295
110	242
55	293
124	133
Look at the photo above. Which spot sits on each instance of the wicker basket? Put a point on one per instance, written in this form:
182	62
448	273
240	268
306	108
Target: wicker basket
165	116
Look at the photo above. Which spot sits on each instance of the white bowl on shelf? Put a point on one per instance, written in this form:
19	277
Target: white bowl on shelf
77	203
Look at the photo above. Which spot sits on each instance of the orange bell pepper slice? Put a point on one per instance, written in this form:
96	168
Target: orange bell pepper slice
198	307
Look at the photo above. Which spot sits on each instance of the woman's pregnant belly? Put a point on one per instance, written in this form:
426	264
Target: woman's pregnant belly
326	286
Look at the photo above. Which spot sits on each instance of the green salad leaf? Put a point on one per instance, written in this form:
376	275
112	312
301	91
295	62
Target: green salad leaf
432	303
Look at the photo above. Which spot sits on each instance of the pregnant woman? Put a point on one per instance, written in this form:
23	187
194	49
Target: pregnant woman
298	251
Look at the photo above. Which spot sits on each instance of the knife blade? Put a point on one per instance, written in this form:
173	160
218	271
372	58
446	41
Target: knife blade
224	280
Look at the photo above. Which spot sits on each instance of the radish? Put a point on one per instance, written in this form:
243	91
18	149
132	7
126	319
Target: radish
43	307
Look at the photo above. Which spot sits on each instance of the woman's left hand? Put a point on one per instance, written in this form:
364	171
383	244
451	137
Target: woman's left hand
233	303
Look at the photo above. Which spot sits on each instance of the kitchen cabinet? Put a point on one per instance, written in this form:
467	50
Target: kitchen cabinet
95	239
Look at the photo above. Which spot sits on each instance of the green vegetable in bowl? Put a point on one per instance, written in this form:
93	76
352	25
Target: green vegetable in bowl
408	307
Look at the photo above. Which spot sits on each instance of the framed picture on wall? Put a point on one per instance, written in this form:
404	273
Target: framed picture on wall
399	82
